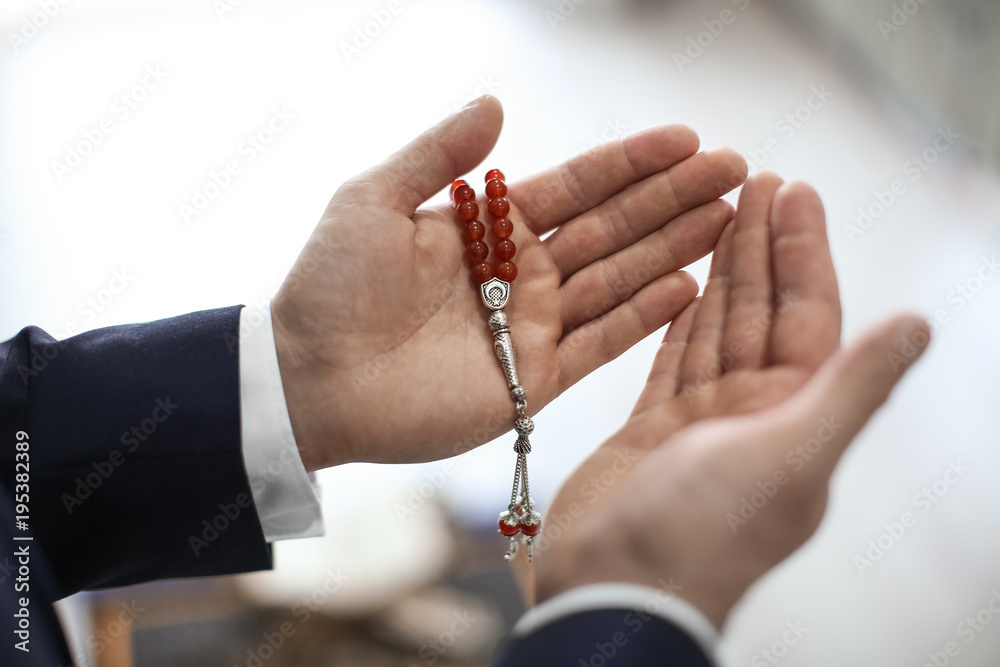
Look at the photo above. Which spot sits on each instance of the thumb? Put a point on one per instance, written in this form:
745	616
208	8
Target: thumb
852	385
412	175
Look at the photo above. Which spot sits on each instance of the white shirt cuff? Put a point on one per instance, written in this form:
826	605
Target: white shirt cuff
651	601
284	494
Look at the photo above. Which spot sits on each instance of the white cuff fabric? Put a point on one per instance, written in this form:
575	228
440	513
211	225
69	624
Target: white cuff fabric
641	599
284	494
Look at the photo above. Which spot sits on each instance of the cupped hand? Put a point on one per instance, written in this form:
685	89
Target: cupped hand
768	318
383	343
768	422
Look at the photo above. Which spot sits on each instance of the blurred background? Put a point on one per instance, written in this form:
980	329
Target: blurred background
116	119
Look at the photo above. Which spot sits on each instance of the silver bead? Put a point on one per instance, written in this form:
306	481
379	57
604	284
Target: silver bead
509	518
519	394
524	425
498	320
495	293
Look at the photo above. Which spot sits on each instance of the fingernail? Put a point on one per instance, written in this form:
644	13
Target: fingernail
476	102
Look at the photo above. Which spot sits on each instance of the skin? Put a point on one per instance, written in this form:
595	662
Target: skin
704	441
385	355
382	339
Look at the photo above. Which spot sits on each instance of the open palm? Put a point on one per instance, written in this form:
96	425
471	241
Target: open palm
768	319
382	341
749	398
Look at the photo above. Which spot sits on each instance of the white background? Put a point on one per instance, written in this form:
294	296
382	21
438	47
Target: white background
563	83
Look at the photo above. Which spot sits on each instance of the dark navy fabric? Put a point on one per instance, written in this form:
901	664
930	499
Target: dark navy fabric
604	638
135	468
135	472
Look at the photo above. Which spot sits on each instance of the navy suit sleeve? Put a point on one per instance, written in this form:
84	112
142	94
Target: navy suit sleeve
136	468
611	637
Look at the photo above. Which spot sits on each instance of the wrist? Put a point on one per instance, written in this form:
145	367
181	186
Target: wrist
301	386
600	552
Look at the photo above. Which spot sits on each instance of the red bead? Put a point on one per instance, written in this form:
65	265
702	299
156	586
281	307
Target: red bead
531	529
507	271
495	173
505	528
474	231
498	207
505	249
477	251
496	189
468	210
482	272
463	193
454	186
502	228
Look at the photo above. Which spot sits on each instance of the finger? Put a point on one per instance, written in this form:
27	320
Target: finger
561	193
664	376
850	387
605	284
642	209
589	347
701	358
806	329
412	175
750	304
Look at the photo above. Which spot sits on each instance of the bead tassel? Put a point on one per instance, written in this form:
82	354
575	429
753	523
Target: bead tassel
520	516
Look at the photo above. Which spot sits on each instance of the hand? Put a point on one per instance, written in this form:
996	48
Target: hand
774	423
383	343
769	316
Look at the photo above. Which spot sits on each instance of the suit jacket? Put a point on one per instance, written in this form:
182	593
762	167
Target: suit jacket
604	637
121	456
134	467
